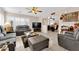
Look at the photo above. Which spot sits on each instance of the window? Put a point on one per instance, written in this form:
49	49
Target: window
21	21
17	20
1	19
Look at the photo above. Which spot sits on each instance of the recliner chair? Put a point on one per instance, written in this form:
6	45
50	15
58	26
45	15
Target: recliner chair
4	38
20	29
69	40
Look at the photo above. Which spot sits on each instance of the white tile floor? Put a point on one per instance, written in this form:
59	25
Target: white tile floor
53	43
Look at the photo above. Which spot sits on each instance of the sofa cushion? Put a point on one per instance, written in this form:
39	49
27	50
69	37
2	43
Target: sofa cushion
11	35
2	38
1	35
22	28
7	36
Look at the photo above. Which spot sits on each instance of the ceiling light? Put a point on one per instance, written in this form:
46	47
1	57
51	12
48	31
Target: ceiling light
33	11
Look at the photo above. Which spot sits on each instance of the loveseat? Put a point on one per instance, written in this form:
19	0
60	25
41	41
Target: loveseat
4	37
20	29
69	40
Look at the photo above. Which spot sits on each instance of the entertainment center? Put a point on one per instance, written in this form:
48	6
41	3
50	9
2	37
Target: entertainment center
36	26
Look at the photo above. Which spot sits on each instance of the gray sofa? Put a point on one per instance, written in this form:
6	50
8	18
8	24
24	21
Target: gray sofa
20	29
11	37
69	40
7	38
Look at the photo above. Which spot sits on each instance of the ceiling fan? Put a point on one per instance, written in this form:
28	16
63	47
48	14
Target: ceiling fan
52	16
34	10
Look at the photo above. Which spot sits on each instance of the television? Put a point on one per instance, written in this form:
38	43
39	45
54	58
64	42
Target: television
36	25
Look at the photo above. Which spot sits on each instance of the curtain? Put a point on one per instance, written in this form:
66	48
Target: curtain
1	19
17	20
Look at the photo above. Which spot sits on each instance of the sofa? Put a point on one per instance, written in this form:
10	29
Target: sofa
7	38
20	29
69	40
11	37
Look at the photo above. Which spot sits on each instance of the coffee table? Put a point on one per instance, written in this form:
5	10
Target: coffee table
30	34
26	36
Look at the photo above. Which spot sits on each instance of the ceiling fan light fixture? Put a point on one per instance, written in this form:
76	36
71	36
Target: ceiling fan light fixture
53	13
33	11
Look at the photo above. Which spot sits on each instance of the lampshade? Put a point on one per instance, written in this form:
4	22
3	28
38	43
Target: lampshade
8	24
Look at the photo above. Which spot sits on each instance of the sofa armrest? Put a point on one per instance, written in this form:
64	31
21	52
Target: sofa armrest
66	35
69	38
71	33
60	35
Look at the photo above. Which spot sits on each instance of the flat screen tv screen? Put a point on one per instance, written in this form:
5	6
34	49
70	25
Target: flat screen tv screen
36	25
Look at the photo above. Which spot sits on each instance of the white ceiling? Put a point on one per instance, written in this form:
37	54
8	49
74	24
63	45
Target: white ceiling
46	10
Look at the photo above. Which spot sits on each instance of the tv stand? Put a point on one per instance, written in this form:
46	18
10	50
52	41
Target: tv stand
37	29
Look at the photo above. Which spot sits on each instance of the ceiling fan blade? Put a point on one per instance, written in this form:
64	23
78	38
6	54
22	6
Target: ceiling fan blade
30	12
53	13
39	11
35	8
35	13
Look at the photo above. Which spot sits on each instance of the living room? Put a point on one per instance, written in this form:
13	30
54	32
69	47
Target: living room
34	29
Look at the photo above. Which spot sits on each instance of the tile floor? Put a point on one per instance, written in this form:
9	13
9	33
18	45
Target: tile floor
53	43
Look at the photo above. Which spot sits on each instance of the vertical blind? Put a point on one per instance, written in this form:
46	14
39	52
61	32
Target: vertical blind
17	20
1	19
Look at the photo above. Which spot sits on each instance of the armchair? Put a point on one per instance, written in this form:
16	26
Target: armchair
69	41
4	38
20	29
